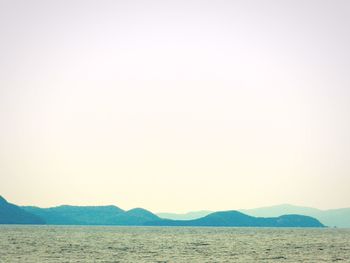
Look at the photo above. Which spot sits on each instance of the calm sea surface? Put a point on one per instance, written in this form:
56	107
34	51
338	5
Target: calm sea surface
171	244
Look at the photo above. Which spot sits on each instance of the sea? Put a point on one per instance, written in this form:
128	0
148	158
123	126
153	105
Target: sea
35	244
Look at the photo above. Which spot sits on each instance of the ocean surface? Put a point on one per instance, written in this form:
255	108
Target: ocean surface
171	244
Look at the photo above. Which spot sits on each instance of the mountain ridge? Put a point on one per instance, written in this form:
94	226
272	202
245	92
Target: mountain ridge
13	214
113	215
233	218
339	217
91	215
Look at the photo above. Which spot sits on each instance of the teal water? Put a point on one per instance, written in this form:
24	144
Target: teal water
171	244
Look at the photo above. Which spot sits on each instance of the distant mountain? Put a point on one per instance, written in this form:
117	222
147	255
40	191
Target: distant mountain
136	217
92	215
186	216
332	217
278	210
12	214
274	216
77	215
238	219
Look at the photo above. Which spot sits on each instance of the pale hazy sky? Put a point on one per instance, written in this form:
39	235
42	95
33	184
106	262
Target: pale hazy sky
175	105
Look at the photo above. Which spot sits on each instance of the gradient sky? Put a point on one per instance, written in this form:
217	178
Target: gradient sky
175	105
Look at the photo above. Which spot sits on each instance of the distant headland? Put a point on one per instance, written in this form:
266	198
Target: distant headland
115	216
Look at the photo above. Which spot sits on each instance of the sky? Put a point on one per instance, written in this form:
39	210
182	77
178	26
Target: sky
175	105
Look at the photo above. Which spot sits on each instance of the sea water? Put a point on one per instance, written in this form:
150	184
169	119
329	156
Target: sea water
171	244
